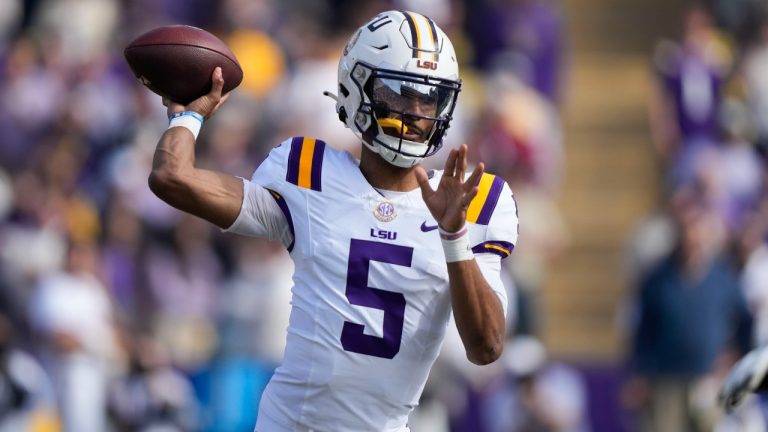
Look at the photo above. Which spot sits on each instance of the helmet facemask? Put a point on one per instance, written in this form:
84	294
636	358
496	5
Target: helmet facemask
396	104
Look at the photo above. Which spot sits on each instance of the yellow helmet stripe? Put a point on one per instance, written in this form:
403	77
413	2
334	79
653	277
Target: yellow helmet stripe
433	35
414	33
419	39
425	32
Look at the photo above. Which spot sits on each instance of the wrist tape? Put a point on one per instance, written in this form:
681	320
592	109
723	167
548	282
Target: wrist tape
456	245
187	119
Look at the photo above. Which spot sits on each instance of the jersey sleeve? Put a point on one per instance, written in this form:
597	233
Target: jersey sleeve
490	267
291	169
272	170
263	212
495	208
297	163
261	216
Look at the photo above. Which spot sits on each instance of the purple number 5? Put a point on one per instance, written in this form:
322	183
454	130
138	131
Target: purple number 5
361	253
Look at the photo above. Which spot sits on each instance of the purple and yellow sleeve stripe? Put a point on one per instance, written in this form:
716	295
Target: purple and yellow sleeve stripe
287	212
500	248
482	206
305	163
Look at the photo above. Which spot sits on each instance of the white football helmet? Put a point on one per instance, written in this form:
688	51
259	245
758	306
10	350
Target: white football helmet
396	70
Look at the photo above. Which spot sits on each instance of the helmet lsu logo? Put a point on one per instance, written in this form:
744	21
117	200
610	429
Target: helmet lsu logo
426	64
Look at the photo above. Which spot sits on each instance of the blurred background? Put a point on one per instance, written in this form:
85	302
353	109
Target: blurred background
633	132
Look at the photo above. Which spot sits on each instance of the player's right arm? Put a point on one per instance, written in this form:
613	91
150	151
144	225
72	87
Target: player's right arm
213	196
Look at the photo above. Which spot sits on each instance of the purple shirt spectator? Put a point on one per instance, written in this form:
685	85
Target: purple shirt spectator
693	86
524	35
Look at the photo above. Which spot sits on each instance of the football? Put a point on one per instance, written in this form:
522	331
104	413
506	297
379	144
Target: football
177	62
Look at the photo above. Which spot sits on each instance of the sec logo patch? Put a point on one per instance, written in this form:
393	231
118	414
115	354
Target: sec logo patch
385	211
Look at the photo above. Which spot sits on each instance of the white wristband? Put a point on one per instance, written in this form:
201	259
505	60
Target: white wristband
456	245
187	119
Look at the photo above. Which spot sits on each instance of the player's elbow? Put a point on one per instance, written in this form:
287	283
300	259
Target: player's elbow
485	353
164	183
485	344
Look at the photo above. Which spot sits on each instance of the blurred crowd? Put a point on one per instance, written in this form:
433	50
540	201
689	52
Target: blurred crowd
119	313
699	266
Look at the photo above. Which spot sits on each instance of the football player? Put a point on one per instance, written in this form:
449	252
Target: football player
384	251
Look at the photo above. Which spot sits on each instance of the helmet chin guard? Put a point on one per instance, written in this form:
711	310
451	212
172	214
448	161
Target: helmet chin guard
398	85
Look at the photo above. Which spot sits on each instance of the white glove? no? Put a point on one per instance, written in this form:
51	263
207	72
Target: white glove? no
744	377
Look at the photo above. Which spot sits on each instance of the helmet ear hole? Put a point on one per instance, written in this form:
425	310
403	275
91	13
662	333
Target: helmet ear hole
343	115
343	90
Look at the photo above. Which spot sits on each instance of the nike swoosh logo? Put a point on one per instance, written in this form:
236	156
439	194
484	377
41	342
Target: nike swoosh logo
426	228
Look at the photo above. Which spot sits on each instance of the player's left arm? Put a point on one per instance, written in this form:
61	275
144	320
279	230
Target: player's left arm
478	312
477	309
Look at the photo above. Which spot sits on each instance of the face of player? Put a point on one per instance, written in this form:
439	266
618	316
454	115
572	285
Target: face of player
408	108
418	127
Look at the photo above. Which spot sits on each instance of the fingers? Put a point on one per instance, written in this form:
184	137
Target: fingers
468	197
215	94
218	83
220	103
423	179
475	177
450	163
461	162
207	104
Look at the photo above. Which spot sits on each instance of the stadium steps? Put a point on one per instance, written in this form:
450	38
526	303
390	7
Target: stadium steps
612	179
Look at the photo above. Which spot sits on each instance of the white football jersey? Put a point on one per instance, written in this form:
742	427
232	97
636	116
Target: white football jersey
371	299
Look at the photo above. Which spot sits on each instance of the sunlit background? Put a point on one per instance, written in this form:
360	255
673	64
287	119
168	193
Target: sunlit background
634	134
